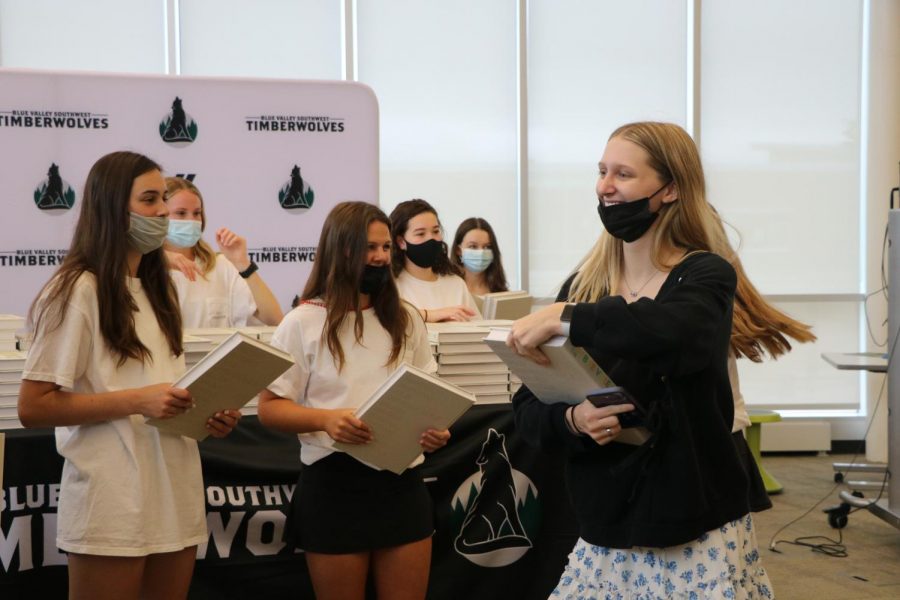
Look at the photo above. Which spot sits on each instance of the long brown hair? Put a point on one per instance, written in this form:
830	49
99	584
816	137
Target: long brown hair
400	218
202	250
100	247
494	275
340	260
692	224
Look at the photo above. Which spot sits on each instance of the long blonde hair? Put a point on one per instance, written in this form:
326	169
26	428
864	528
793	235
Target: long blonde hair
202	250
691	224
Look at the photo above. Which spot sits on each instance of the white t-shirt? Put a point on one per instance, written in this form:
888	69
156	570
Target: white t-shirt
126	489
448	290
314	380
221	298
741	417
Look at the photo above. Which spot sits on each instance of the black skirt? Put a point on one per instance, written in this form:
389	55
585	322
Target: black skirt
341	506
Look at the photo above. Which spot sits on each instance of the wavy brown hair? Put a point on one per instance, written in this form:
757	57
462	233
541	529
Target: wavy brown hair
691	224
494	275
400	217
100	247
340	260
202	251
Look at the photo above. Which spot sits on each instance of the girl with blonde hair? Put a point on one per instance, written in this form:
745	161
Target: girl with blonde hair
212	292
653	303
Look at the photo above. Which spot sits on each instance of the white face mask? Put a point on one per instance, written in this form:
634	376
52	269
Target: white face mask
147	234
477	260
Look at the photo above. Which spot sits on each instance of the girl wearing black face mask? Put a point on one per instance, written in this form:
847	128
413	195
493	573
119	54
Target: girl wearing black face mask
348	334
420	261
662	303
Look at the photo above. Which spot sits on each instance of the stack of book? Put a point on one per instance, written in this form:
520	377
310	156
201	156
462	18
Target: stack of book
9	324
506	305
466	361
216	335
262	333
195	348
12	362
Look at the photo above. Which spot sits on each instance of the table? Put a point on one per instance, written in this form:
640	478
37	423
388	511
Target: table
249	478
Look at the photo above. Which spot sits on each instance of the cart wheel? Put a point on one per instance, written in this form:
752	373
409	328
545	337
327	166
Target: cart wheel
839	477
837	520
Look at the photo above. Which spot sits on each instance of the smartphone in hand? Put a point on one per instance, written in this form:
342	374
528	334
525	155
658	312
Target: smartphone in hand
618	395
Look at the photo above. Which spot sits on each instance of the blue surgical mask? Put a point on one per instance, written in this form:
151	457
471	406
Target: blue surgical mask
147	234
477	260
183	233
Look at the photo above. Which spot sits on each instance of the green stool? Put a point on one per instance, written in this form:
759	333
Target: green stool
757	418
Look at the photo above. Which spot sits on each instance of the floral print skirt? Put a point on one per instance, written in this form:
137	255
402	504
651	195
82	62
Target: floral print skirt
722	563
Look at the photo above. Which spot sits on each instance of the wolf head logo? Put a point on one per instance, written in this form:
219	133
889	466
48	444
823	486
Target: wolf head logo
178	126
492	533
296	193
54	193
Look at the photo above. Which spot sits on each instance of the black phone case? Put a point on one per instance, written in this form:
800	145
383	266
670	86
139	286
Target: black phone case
619	395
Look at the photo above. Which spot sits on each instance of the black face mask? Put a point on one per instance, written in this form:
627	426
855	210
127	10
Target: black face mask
373	279
424	255
628	221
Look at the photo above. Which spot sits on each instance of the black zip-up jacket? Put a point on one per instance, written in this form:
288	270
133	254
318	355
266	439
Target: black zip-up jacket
671	353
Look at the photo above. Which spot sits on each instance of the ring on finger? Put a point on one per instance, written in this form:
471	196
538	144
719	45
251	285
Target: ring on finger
608	431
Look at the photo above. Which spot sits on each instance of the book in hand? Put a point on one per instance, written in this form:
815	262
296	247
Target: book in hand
633	430
571	374
231	375
398	413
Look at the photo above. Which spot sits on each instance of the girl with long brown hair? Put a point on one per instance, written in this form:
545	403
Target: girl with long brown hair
347	335
653	303
476	254
425	275
212	292
107	345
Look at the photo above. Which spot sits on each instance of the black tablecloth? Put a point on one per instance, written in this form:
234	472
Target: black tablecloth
504	525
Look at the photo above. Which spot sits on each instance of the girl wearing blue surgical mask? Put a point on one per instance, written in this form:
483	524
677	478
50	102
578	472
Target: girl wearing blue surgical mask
212	293
476	253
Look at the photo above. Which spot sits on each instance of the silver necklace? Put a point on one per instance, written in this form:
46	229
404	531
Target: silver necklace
634	293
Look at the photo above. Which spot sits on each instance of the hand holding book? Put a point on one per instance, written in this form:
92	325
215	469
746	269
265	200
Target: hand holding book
529	332
434	439
342	425
222	381
407	414
162	401
222	423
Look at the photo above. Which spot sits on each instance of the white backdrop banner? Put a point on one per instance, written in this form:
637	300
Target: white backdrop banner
271	158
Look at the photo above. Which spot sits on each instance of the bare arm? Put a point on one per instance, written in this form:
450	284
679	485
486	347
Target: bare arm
448	313
234	248
285	415
45	404
267	309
